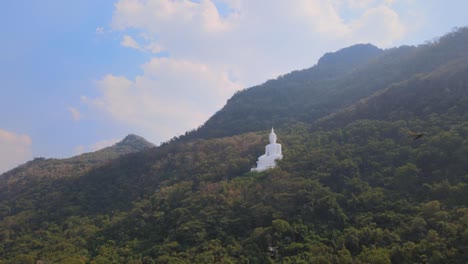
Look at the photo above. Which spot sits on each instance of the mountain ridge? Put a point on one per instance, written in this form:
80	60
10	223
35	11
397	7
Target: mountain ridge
310	94
76	165
428	85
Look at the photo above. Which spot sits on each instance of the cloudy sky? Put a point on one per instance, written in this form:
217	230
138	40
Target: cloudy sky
77	76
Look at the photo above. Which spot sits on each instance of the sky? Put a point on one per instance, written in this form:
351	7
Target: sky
77	76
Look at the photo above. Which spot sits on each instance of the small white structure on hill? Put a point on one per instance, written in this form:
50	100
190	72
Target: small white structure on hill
272	153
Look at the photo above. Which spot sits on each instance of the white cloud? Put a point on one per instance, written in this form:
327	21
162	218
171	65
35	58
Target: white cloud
156	14
15	149
213	53
253	41
376	22
103	144
322	16
172	96
95	147
79	150
153	47
378	19
129	42
75	113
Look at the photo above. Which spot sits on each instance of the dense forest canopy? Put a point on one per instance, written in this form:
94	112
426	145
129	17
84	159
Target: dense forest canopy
353	186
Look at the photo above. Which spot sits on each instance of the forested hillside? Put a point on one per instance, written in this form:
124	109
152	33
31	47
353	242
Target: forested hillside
34	172
78	164
353	186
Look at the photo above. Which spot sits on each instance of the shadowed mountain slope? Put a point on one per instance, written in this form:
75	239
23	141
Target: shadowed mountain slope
338	80
442	91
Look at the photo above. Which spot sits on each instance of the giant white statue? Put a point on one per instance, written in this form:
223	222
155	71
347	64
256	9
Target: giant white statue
272	153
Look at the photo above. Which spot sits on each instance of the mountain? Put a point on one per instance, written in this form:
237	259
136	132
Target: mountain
441	91
293	97
56	168
353	186
329	86
130	144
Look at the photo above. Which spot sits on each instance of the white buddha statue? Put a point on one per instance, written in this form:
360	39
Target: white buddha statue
272	153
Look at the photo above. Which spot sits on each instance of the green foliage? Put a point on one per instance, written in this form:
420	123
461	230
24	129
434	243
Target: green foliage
352	187
375	255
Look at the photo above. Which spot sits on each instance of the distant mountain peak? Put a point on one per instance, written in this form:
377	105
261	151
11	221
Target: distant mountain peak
78	164
135	141
349	56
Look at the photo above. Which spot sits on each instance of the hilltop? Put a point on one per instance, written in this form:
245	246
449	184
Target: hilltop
77	165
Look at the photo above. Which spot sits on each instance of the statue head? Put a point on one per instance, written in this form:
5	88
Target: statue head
272	136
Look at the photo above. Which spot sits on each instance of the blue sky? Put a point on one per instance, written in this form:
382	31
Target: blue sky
80	75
